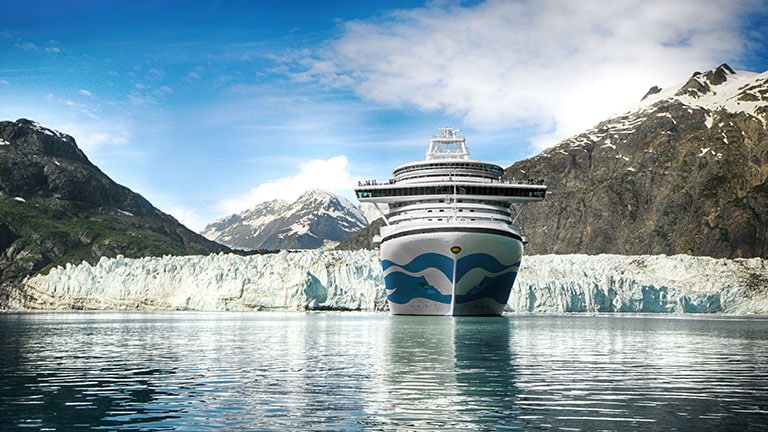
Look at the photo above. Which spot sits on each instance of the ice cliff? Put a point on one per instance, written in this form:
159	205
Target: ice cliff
281	281
351	280
647	283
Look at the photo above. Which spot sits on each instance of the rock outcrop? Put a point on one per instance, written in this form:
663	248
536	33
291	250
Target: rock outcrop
684	172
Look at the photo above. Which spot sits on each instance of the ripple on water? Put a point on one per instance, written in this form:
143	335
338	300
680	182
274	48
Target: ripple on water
268	371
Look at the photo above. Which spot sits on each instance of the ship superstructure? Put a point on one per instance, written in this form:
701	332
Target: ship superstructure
451	245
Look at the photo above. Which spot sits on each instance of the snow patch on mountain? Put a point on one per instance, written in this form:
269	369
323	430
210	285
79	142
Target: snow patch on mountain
721	88
316	219
352	280
718	89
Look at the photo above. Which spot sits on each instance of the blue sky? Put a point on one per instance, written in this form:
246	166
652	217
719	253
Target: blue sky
206	108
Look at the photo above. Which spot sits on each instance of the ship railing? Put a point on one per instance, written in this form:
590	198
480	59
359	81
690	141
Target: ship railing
376	182
536	182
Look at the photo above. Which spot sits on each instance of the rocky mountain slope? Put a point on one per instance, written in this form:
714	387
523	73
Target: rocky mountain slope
683	172
57	207
316	219
362	238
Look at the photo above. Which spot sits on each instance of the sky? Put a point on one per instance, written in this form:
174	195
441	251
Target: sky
209	107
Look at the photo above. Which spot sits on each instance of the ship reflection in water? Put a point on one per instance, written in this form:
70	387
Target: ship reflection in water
357	371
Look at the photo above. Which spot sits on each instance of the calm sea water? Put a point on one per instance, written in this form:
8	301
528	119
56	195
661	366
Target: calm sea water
355	371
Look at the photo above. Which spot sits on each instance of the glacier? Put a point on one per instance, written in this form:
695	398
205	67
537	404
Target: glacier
352	280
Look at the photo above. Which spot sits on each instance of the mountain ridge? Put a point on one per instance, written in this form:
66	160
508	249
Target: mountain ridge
315	220
56	207
683	171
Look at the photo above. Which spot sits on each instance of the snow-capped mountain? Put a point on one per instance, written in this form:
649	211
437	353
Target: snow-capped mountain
683	171
718	89
316	219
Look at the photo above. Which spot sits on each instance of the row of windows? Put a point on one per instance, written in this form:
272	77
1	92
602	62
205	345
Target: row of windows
456	175
410	217
501	211
492	170
447	219
484	190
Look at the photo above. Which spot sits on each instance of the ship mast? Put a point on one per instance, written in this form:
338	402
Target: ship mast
447	145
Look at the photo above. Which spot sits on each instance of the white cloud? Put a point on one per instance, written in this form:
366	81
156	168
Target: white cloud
27	46
91	136
558	65
188	217
327	174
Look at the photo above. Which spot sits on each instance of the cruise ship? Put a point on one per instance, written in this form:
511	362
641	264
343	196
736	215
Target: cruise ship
450	244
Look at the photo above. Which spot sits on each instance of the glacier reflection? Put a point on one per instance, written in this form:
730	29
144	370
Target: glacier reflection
357	371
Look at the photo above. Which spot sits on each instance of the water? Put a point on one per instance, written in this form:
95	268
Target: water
376	372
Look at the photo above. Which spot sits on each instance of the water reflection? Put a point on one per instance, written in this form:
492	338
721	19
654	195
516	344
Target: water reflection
486	371
325	371
58	375
453	373
630	373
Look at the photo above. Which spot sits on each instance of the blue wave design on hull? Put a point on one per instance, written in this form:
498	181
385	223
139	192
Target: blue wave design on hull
423	262
406	288
481	260
497	288
403	287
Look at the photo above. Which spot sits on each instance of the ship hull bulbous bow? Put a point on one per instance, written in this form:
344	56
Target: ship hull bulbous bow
450	271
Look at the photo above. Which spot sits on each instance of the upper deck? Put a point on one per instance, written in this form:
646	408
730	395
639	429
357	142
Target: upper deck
448	171
447	158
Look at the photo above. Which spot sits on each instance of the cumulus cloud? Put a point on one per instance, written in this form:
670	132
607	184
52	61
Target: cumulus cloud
557	65
327	174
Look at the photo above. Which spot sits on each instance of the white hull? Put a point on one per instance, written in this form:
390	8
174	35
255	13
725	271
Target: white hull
468	270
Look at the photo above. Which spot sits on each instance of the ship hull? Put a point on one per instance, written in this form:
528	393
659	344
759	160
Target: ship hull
450	270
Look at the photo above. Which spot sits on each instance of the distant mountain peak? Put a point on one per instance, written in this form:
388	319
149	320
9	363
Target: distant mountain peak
316	219
316	195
